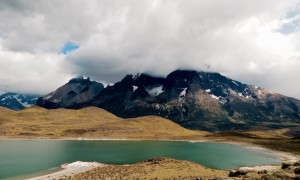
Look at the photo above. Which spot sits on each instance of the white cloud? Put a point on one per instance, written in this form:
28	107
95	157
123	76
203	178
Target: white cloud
34	74
244	40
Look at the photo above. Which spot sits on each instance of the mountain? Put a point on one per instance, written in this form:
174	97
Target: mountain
76	91
197	100
17	101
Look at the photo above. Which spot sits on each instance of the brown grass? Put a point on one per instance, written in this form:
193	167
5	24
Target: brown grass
156	168
91	122
272	139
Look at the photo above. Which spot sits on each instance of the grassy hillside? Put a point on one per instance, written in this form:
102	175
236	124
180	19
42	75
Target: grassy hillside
156	168
280	139
91	122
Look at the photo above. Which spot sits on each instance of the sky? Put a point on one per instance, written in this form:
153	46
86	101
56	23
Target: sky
45	43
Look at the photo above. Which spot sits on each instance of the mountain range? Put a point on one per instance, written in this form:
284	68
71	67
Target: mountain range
17	101
195	100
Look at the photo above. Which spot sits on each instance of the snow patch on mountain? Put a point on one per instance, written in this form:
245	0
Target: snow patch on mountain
215	97
22	102
48	97
183	93
235	83
208	90
135	88
245	96
155	91
136	76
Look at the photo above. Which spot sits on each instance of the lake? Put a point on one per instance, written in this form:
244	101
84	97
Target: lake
21	157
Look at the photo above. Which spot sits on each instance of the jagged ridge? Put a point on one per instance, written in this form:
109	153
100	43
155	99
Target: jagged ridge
197	100
76	91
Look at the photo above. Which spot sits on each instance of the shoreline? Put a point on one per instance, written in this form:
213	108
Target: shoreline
79	167
283	156
69	169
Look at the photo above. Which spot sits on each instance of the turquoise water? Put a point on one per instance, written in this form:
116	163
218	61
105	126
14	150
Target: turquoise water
21	157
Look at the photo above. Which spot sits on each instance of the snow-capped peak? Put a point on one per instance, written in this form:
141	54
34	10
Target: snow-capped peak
17	101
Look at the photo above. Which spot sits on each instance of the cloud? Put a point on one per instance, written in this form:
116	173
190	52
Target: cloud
251	41
32	74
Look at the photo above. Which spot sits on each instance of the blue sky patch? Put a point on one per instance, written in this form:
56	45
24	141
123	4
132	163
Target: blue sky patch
68	47
290	27
294	24
294	12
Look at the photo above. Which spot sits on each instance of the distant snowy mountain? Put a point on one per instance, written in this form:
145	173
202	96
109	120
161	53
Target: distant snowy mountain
17	101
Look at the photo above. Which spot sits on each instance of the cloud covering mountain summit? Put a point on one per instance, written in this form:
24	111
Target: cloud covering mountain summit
256	42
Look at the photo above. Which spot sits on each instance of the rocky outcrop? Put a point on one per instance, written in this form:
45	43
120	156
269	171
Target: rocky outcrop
288	171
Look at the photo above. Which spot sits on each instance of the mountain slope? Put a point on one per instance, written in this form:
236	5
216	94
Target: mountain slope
88	122
198	100
77	90
17	101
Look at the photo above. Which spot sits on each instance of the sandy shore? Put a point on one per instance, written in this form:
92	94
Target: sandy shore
155	168
70	169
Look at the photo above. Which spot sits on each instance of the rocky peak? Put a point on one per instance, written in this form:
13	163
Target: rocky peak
180	79
197	100
80	80
76	91
148	80
215	83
